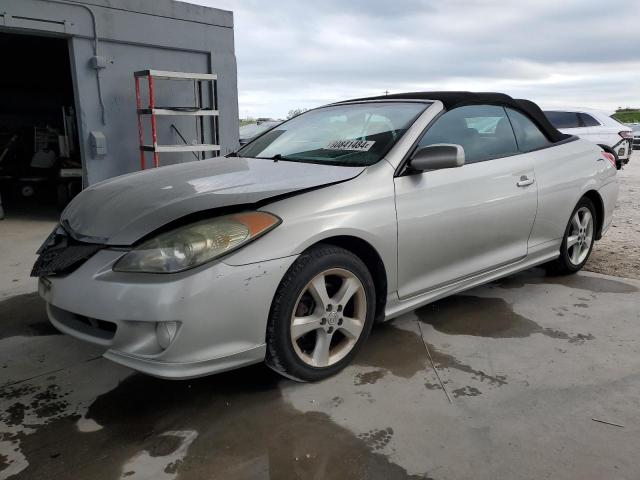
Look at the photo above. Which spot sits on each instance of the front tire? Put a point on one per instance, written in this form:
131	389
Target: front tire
578	240
321	314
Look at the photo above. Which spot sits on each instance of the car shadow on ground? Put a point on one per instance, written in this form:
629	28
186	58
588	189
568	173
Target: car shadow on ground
231	425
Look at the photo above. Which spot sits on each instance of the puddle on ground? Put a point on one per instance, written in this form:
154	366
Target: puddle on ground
581	282
393	349
164	445
368	378
444	360
232	426
486	317
161	464
402	353
476	316
466	392
25	315
377	439
30	401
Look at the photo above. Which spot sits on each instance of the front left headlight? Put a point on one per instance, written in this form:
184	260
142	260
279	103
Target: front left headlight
197	243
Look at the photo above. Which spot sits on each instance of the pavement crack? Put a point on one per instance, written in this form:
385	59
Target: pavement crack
433	365
49	372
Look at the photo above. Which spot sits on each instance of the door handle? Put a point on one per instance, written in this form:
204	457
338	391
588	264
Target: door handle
525	181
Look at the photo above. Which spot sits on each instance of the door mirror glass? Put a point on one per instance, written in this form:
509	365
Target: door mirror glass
437	156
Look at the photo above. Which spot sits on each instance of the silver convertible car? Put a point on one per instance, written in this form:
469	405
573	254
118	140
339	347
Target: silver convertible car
289	250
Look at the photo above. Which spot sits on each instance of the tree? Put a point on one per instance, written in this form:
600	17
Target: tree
296	111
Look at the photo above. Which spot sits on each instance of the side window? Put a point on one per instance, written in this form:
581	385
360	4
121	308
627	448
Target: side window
563	119
528	135
483	131
588	120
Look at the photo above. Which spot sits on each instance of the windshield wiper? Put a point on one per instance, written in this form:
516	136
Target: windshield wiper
275	158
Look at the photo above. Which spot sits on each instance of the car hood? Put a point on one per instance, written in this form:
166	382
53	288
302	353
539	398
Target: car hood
124	209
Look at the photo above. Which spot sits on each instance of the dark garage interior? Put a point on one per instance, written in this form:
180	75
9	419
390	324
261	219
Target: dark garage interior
40	166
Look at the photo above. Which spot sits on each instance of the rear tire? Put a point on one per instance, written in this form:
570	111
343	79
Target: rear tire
321	314
578	240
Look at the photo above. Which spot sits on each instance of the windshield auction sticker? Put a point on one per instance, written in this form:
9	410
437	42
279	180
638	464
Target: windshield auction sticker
354	145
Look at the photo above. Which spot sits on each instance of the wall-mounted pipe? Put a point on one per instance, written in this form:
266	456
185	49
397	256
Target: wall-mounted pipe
95	48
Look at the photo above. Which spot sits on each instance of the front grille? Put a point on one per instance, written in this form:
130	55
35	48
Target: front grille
100	330
60	254
109	328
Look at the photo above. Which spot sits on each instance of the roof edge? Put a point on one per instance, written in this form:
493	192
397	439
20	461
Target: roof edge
179	10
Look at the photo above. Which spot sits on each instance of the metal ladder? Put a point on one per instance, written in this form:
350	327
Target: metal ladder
198	111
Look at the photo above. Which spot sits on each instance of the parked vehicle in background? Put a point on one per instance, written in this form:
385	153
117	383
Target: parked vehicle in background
288	250
252	130
597	126
636	135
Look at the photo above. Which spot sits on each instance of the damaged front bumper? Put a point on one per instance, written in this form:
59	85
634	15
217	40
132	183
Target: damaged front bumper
209	319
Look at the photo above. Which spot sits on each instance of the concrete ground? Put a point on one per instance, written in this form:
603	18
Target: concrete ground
529	364
21	233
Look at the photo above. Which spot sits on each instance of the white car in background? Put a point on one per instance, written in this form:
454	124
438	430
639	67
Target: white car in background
596	126
636	135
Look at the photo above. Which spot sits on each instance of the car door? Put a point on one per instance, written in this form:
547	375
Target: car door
455	223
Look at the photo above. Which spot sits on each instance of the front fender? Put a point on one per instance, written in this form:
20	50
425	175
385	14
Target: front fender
363	208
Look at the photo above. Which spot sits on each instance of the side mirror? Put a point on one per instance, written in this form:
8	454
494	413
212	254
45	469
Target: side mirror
437	156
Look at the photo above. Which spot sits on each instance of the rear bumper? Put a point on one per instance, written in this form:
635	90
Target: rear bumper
623	149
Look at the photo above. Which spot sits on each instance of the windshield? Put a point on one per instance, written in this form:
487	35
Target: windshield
254	129
352	135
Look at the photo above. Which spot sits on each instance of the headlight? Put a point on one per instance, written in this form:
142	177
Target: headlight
192	245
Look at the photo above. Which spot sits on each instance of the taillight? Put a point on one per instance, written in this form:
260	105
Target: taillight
610	157
627	135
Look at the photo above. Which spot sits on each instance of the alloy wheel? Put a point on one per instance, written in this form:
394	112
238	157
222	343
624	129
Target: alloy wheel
329	317
580	236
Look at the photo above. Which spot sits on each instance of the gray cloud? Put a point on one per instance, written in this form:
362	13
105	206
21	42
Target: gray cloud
303	54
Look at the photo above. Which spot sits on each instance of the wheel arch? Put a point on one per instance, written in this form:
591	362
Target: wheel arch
598	203
372	260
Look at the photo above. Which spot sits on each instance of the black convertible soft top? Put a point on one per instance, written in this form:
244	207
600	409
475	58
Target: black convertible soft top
458	99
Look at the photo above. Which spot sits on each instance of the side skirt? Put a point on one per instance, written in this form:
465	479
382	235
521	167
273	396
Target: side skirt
537	255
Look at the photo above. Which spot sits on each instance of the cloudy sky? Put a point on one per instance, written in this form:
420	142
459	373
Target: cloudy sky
294	53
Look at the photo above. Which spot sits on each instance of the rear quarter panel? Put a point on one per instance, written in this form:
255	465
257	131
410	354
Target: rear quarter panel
605	135
564	174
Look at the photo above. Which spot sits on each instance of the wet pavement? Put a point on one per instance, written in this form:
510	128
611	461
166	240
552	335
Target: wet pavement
527	363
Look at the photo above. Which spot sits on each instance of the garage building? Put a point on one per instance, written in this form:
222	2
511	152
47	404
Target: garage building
68	113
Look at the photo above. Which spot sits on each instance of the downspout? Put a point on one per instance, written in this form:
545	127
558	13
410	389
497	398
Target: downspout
95	48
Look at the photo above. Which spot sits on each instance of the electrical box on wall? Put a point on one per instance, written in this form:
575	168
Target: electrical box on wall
98	144
98	62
